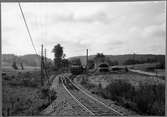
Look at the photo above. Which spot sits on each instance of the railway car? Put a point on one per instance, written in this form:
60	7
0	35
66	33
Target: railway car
76	69
76	66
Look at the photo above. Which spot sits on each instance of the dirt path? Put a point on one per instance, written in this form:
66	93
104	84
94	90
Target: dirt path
145	73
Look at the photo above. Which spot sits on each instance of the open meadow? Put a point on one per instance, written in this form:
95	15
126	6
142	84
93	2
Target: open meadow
148	67
21	92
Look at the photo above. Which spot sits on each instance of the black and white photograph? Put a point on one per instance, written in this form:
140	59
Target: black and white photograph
83	58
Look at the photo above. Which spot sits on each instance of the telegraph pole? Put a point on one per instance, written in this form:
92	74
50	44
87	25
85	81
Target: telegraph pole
45	57
86	60
45	64
42	75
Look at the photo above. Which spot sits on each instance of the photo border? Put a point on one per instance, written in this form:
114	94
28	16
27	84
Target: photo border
9	1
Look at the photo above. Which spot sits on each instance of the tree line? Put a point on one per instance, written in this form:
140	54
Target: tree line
60	62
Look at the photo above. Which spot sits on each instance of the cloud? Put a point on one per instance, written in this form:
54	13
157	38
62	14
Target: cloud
7	28
156	47
6	42
154	31
98	17
111	28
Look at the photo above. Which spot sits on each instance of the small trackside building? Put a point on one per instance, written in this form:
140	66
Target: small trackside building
103	67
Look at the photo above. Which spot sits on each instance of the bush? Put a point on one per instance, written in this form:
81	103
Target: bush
44	92
150	96
43	106
14	65
6	77
84	81
47	93
19	106
87	84
28	83
53	95
149	99
27	75
118	88
21	96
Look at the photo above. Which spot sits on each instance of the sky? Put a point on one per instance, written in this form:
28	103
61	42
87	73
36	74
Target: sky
111	28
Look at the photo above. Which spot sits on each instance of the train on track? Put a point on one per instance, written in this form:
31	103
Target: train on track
76	67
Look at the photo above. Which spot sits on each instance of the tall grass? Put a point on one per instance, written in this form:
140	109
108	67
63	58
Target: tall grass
23	94
148	99
85	82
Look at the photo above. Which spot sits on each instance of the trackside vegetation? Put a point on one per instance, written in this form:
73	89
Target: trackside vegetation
146	99
23	94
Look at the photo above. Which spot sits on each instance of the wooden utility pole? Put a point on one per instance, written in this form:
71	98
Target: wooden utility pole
45	64
42	66
45	55
86	60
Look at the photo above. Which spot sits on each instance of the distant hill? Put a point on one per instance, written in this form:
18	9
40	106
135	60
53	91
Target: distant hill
28	60
122	58
34	60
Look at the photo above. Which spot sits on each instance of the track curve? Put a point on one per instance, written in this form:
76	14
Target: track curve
88	102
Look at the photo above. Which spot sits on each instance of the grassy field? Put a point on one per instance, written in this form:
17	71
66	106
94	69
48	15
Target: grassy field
140	93
133	78
26	68
22	92
148	67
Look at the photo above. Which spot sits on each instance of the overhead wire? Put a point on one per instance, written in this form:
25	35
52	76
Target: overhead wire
45	71
27	28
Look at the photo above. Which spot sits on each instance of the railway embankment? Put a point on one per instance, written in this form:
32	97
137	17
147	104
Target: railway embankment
64	104
123	94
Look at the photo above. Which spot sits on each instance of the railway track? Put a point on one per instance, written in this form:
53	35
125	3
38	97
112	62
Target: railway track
86	101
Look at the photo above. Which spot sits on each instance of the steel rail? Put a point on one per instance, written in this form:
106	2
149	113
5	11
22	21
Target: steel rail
85	108
96	99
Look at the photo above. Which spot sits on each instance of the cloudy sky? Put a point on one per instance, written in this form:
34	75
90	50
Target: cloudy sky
109	27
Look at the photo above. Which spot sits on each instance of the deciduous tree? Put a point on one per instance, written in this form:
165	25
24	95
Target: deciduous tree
58	55
14	65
